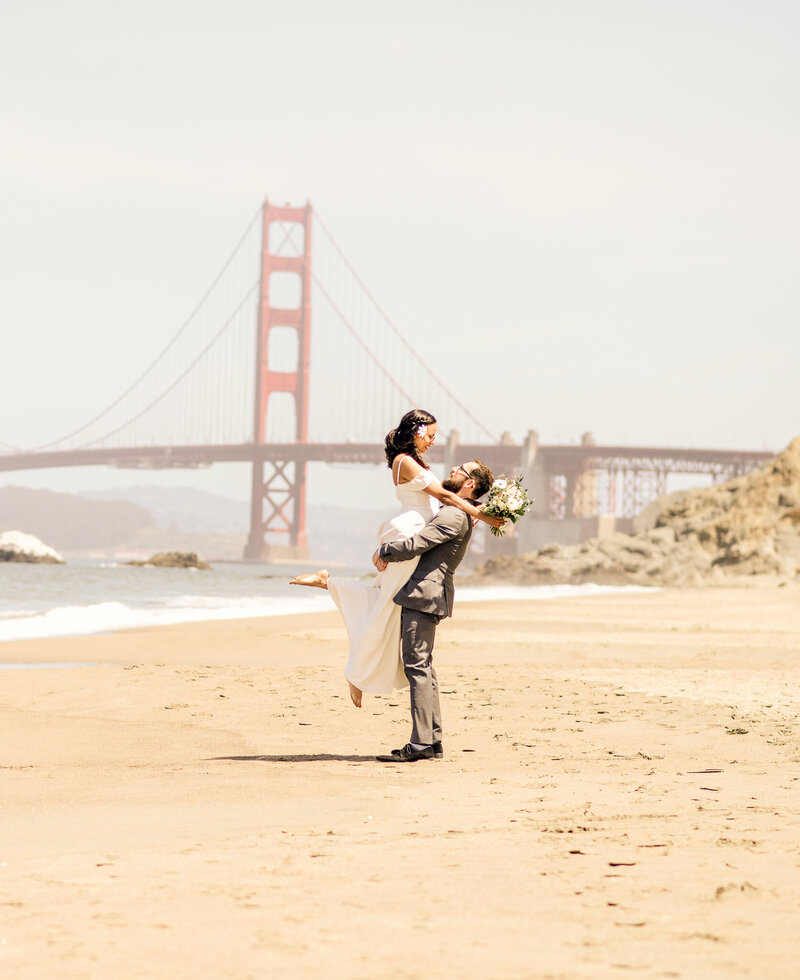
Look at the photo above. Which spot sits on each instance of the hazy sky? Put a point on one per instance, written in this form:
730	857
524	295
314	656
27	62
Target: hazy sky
585	212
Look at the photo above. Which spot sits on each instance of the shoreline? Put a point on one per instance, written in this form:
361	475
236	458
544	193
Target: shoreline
109	615
207	631
325	628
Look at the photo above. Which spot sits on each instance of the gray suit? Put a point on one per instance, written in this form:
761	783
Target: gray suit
426	599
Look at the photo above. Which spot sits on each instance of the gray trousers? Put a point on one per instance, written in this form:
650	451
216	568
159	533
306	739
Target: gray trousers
418	631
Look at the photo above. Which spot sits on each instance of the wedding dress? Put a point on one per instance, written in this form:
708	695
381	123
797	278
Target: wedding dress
371	616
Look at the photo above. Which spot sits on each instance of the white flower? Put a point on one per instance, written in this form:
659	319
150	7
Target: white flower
422	430
500	484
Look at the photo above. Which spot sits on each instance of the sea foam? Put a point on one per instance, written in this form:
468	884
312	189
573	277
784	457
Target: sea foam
105	617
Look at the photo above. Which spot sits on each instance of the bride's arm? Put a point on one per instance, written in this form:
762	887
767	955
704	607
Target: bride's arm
409	468
435	489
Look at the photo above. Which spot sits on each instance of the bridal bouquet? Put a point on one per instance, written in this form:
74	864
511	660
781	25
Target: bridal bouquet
507	499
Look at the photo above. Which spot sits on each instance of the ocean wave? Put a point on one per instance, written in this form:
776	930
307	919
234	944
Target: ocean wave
106	617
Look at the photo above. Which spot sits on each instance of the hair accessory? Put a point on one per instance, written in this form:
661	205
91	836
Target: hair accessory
421	430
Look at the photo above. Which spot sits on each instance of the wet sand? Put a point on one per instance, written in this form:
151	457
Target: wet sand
620	795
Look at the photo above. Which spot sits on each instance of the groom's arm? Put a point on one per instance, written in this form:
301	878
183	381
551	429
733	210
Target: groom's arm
448	524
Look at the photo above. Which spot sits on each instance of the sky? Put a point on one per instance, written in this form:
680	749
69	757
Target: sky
584	215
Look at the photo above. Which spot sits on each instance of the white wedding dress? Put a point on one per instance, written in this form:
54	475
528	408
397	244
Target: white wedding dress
371	616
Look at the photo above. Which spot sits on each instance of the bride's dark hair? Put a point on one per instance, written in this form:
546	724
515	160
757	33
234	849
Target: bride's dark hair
401	439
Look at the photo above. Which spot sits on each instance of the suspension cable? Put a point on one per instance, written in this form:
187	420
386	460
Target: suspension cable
361	342
181	376
397	332
164	352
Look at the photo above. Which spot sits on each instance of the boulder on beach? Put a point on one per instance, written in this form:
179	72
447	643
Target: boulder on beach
173	559
22	547
748	526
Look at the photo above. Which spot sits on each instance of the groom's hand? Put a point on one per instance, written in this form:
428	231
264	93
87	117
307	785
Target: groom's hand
378	562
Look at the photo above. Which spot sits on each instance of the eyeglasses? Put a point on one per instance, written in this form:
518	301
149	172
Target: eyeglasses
465	471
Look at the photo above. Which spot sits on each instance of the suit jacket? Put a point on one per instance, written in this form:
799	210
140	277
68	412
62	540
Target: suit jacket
441	545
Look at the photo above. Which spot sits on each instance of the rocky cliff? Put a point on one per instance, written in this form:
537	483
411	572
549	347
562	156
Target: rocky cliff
747	526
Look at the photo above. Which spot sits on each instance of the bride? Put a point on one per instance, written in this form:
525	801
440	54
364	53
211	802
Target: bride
372	618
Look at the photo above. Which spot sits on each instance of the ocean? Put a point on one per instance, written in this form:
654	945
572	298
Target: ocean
86	596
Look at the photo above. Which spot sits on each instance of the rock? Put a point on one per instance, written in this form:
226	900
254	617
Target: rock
748	526
173	559
22	547
661	536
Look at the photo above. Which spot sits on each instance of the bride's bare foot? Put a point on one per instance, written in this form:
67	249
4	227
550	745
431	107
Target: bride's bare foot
319	580
355	695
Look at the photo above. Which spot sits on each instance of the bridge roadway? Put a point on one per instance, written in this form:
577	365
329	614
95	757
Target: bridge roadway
501	457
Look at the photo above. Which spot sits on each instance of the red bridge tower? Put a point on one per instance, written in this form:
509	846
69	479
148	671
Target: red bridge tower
277	503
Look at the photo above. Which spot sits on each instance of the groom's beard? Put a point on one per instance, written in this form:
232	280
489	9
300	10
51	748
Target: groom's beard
453	484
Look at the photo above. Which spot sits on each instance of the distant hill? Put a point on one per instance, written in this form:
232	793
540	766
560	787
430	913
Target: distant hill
69	522
137	521
183	509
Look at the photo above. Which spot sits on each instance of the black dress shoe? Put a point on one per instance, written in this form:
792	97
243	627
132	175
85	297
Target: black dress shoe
407	754
438	752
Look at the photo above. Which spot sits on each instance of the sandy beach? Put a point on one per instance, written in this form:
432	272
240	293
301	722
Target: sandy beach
619	796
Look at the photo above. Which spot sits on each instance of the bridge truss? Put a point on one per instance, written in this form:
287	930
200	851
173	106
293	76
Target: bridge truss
589	480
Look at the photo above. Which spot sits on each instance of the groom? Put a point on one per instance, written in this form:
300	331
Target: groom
426	599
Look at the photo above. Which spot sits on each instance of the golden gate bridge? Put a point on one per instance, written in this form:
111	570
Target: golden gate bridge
235	383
